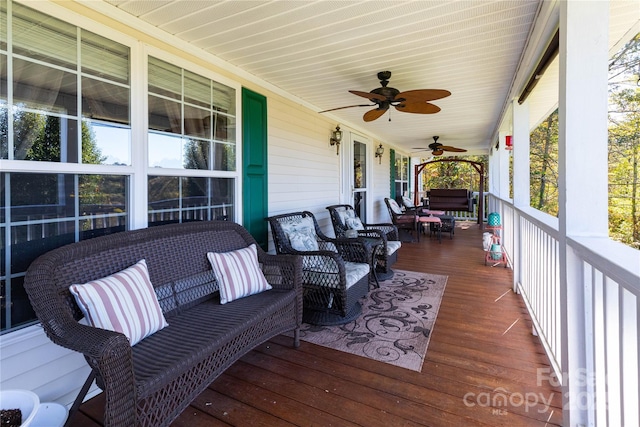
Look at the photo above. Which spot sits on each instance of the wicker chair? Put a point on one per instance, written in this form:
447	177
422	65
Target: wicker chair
403	220
335	272
409	206
343	218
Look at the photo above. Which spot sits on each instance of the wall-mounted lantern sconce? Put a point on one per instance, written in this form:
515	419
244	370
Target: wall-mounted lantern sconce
379	153
336	137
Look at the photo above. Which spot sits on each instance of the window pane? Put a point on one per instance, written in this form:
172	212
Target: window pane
42	37
165	79
2	206
3	78
30	241
225	129
196	154
197	122
44	88
44	212
165	151
191	112
105	144
224	98
197	89
194	199
102	194
165	115
2	251
4	138
21	311
105	101
3	25
164	199
224	157
40	137
41	196
182	199
104	58
103	204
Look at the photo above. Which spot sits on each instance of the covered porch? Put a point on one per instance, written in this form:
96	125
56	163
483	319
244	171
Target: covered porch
483	365
551	340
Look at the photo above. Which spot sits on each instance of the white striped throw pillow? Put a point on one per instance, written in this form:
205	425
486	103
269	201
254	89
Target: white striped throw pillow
238	273
123	302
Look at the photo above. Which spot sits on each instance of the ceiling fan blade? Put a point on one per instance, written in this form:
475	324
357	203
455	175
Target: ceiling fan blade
423	94
418	107
369	95
371	115
437	152
455	149
348	106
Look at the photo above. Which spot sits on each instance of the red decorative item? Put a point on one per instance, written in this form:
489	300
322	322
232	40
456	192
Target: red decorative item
508	143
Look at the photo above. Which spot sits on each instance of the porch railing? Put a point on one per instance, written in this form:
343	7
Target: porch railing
600	370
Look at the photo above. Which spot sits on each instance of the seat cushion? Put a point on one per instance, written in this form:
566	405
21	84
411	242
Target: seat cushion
394	207
198	332
393	246
327	275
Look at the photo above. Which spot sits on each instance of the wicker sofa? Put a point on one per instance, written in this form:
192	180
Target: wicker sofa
152	382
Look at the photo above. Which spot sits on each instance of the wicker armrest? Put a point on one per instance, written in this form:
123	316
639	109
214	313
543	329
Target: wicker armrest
353	250
390	230
282	271
109	354
374	233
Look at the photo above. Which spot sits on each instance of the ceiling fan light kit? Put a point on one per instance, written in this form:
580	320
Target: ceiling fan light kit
412	101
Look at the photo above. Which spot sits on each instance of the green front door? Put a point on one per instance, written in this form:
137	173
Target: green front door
254	165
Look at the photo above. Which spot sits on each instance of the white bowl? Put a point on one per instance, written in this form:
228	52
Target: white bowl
25	400
50	414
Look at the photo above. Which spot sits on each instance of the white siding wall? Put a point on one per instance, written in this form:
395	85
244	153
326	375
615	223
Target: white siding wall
29	360
304	171
381	186
304	174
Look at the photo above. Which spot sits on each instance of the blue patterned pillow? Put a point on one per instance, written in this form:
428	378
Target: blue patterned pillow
354	224
301	234
303	239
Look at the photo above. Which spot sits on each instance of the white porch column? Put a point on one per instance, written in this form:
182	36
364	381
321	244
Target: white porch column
521	189
582	168
503	167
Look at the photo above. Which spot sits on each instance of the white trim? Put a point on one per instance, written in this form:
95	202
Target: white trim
138	185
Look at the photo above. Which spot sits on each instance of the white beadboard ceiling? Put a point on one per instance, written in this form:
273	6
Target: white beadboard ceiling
319	50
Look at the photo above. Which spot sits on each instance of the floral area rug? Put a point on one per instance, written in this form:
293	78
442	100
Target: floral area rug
395	325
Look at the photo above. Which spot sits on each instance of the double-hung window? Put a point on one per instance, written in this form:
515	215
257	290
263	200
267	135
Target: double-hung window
81	157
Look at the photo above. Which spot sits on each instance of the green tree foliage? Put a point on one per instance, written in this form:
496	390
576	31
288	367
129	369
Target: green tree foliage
37	138
543	165
624	144
624	164
454	174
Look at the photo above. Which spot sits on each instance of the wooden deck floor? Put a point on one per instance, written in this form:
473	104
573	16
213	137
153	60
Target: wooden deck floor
483	366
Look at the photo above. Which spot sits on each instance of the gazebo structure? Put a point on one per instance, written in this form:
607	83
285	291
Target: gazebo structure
479	167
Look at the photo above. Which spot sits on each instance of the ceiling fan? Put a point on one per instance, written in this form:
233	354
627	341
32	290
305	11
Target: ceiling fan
438	149
411	101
